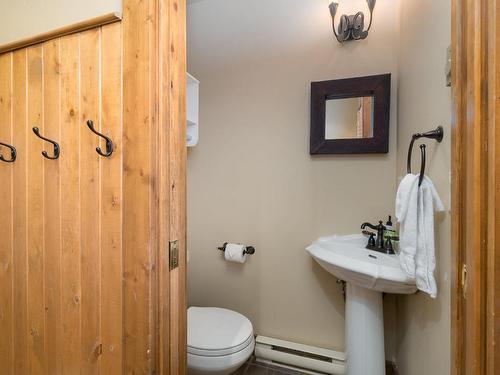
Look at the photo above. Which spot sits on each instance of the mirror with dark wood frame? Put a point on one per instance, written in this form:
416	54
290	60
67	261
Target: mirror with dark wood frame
350	116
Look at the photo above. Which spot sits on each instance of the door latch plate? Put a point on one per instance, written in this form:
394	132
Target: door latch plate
174	254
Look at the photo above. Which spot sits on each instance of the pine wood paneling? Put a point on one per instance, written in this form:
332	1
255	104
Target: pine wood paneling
177	155
163	190
6	240
19	213
35	183
52	208
90	200
172	186
111	204
137	185
70	201
493	261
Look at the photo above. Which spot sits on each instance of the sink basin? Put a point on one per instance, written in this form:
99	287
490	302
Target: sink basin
347	259
367	274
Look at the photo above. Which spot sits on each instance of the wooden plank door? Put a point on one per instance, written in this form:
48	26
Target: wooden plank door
61	221
86	285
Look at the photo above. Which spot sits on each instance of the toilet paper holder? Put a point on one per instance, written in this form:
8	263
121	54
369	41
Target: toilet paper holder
248	250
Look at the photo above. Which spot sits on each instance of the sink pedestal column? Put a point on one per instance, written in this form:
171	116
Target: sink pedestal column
364	331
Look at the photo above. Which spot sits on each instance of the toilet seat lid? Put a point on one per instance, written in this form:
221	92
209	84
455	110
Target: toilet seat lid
217	331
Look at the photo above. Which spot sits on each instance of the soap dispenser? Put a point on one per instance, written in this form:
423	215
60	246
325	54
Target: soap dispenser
390	231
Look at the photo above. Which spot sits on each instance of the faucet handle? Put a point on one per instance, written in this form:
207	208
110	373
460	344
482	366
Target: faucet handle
380	228
389	249
371	241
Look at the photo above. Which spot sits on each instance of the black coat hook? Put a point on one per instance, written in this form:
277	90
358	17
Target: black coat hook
13	153
57	149
109	142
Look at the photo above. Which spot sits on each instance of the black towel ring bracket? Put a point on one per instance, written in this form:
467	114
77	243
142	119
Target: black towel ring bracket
436	134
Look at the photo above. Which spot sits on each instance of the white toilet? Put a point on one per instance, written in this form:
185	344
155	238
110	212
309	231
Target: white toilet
219	340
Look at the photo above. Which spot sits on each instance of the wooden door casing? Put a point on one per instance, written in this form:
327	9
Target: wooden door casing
475	187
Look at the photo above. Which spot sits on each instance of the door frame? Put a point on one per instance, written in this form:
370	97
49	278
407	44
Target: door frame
171	158
475	187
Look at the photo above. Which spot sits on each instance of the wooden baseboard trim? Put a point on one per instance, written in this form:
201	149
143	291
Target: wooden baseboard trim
65	30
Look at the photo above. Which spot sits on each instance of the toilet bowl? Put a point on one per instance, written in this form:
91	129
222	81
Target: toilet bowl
219	340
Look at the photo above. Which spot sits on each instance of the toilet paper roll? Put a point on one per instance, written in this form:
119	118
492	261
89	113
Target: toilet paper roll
235	253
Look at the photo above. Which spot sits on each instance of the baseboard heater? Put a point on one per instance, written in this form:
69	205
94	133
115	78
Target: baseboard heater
304	358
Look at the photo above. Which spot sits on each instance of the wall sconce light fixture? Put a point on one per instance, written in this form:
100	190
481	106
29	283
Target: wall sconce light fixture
351	27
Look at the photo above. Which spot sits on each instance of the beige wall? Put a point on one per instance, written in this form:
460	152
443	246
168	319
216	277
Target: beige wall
251	178
423	334
24	18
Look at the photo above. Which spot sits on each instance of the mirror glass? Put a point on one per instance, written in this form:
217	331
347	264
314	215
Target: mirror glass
349	118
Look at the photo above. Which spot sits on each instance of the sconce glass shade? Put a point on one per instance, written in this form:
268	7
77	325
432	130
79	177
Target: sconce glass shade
371	4
333	8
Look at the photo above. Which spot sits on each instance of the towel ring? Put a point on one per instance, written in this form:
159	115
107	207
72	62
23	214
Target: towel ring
422	164
436	134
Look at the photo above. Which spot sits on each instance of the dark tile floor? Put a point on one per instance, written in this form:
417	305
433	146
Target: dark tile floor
252	367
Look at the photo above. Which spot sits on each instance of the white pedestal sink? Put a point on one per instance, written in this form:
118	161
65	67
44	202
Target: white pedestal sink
367	274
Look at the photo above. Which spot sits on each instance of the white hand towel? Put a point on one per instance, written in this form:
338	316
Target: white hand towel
425	259
415	207
406	213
